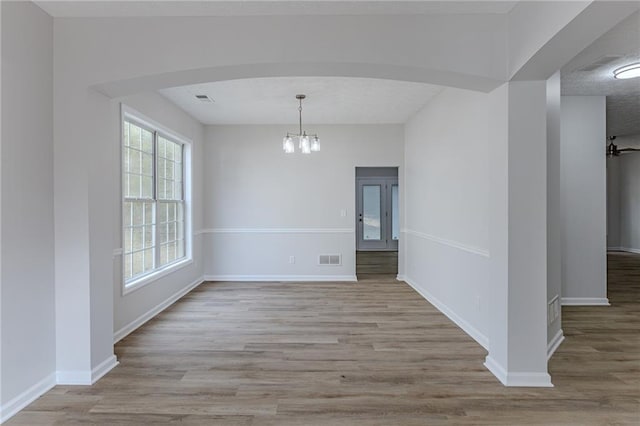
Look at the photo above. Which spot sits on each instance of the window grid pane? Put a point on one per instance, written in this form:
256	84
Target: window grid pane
171	231
138	237
153	223
169	170
137	162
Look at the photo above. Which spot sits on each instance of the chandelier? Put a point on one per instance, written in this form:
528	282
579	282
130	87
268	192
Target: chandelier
304	143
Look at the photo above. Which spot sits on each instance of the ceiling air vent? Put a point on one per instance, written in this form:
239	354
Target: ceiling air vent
204	98
330	260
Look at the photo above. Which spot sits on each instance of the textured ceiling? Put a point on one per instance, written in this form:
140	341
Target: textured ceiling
92	8
330	100
620	46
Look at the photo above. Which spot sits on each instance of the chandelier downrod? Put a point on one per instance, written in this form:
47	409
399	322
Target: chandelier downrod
300	98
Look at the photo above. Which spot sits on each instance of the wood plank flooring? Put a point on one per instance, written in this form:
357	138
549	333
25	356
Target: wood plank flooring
376	262
366	353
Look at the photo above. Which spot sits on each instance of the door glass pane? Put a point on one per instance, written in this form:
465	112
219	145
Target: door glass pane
395	217
371	212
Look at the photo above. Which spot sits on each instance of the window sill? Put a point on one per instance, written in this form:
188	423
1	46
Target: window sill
154	276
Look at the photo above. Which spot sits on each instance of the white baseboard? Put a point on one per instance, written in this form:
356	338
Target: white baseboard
103	368
401	277
585	301
12	407
554	343
73	377
517	379
271	278
459	321
86	377
127	329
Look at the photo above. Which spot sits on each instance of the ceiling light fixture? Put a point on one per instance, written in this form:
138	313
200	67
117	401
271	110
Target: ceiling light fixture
614	151
628	71
305	145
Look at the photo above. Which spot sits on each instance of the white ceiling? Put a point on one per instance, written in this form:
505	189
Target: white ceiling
622	43
122	8
330	100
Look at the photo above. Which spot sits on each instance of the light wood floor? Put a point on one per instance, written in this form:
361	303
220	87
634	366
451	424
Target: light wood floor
376	262
366	353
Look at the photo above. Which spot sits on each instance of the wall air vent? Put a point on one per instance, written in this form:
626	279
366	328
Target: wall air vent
204	98
330	260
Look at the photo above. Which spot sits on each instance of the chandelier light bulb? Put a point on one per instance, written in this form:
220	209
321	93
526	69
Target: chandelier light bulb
288	146
305	147
285	142
315	145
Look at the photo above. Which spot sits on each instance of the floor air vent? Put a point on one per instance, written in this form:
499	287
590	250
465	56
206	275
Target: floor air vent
330	260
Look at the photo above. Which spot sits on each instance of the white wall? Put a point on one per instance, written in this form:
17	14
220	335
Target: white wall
28	334
613	203
583	192
624	172
446	206
554	218
518	234
263	206
133	307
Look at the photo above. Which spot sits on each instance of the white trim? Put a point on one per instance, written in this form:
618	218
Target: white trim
12	407
73	377
277	231
198	232
103	368
538	380
585	301
135	116
127	329
271	278
449	313
128	112
626	249
117	252
400	277
86	377
554	343
446	242
155	275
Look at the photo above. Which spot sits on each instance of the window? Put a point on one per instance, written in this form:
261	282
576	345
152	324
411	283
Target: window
153	192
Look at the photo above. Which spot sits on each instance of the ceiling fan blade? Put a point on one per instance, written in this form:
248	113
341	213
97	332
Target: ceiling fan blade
628	149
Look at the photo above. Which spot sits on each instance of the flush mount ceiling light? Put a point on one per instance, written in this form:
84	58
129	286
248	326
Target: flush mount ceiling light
628	71
305	145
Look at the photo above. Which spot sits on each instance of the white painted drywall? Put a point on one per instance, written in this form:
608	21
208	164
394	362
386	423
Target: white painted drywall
583	192
28	333
532	24
554	218
446	184
518	234
129	307
263	206
628	190
613	202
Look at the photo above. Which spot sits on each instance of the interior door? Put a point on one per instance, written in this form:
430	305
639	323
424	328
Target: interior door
377	224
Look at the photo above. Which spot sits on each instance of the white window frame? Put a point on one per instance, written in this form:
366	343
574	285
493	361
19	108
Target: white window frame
157	273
